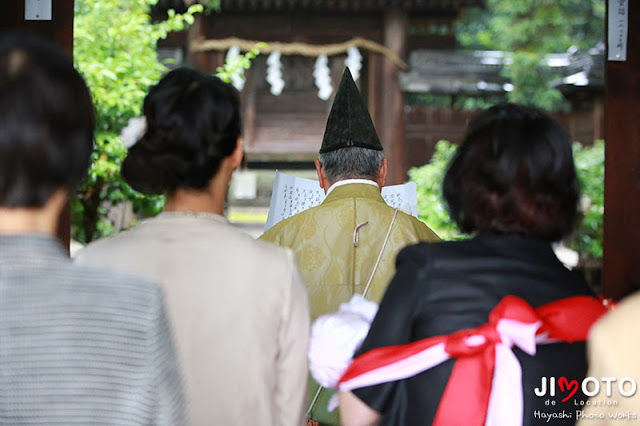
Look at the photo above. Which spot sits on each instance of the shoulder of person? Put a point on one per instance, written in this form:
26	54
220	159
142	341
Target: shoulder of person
103	246
290	224
272	234
268	251
423	251
421	229
107	281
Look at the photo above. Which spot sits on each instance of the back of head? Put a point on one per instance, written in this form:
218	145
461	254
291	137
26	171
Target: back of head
514	173
193	123
351	163
46	121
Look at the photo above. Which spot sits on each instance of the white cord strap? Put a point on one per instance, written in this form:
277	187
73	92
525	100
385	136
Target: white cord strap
384	244
313	402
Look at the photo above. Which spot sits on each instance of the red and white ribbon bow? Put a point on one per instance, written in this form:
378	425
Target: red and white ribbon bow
487	373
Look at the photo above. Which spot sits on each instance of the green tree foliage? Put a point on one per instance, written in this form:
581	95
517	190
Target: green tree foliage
115	50
589	160
235	63
209	5
587	240
530	29
428	178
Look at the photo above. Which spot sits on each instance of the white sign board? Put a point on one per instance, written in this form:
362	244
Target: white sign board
37	10
618	27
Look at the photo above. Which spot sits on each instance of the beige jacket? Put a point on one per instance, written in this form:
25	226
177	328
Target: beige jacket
614	350
239	313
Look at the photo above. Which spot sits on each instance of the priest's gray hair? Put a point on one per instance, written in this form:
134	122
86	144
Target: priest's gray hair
351	163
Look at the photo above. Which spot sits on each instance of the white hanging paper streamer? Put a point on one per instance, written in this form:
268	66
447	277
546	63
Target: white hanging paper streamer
237	78
322	77
354	62
274	73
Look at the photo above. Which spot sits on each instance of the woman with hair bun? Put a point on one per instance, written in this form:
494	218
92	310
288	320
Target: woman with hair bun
238	307
477	331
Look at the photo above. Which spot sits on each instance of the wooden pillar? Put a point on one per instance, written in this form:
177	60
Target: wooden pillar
621	269
598	119
374	89
391	114
248	100
196	33
60	30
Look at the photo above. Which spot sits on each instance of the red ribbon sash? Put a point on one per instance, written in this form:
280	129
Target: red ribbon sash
466	396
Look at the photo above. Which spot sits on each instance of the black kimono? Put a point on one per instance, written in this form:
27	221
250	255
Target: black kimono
440	288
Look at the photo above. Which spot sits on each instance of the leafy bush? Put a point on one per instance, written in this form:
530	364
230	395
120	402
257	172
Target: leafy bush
586	240
431	206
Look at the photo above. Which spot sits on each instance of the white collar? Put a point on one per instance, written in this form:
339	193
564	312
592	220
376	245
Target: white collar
348	181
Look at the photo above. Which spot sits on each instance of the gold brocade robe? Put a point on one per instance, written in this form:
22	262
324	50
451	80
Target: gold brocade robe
322	239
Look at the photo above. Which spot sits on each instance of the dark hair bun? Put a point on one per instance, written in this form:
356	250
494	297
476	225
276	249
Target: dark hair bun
193	123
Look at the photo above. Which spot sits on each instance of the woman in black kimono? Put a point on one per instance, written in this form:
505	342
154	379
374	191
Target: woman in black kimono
512	184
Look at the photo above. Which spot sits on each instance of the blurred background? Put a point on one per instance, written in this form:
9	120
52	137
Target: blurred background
424	67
